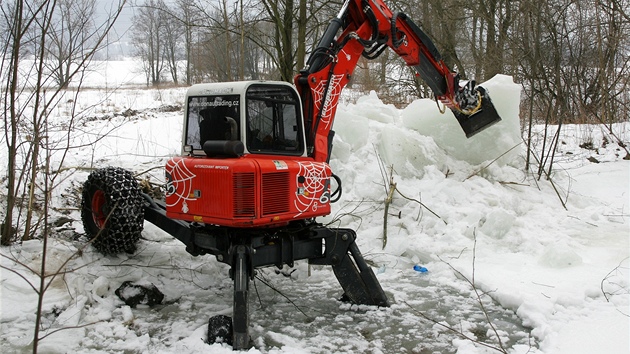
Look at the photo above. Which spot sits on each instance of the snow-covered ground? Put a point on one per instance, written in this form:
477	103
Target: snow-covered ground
554	280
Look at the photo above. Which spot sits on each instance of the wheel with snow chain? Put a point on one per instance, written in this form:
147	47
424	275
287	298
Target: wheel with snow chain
112	210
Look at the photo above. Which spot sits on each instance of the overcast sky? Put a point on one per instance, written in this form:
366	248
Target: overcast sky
119	36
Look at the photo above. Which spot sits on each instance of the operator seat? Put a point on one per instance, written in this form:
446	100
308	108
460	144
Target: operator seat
214	126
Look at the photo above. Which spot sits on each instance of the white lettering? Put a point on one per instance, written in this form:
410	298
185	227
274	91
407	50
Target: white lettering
213	167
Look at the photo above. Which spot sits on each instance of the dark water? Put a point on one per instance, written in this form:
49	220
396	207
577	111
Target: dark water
407	326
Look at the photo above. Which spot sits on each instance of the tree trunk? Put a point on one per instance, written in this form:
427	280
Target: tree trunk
11	121
301	40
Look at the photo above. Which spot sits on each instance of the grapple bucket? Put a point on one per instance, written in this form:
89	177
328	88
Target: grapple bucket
435	73
484	117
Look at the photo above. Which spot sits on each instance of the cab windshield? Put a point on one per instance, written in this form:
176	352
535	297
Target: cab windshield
212	118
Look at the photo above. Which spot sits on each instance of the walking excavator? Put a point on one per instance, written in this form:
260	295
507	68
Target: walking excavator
253	173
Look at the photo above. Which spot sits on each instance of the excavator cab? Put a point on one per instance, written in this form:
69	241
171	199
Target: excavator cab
238	118
244	160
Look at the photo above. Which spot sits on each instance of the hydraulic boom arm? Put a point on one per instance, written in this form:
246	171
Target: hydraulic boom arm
368	27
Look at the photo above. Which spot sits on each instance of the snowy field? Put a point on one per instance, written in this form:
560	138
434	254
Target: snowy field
553	280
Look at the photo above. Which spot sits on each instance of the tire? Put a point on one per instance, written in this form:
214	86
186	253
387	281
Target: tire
112	210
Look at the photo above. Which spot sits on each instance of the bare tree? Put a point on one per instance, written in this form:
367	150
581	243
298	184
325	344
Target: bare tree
68	37
281	15
28	98
186	15
171	35
227	40
148	27
257	37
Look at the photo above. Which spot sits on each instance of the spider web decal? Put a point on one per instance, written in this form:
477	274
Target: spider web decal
333	94
315	190
178	180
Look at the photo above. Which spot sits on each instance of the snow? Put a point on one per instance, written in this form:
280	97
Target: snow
557	278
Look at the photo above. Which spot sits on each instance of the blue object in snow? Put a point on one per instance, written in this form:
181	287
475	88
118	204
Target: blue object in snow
419	268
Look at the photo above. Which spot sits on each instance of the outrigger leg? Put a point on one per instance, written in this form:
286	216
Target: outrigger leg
354	275
241	273
235	330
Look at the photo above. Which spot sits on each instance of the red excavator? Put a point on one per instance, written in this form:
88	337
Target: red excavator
253	174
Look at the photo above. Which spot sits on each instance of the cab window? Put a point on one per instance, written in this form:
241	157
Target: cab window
212	118
273	120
